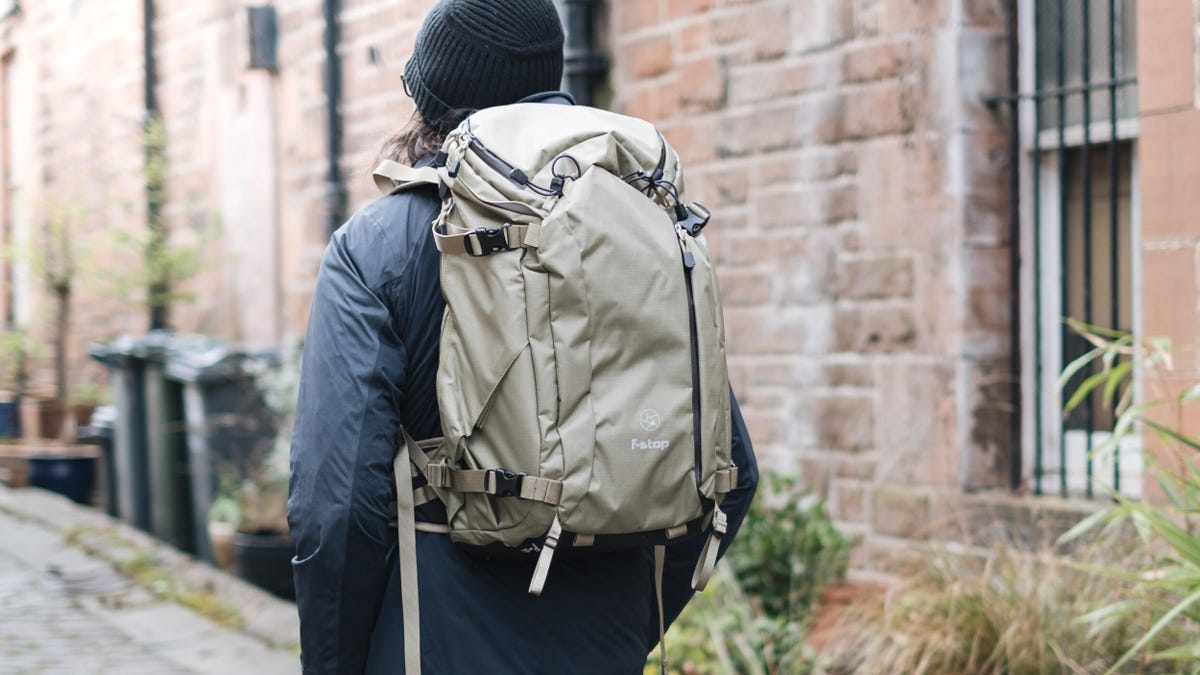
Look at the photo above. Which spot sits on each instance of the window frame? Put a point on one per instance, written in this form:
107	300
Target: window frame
1041	344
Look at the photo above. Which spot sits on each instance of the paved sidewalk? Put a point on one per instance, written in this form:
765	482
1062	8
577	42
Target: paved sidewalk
66	608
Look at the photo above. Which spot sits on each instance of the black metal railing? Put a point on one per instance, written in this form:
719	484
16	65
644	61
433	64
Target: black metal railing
1078	83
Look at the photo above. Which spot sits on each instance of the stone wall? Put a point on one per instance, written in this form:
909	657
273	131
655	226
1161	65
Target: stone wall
858	183
858	186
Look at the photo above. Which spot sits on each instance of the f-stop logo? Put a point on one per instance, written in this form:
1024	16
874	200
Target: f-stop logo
650	421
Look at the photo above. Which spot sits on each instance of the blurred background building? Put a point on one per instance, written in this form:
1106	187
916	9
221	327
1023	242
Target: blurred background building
908	198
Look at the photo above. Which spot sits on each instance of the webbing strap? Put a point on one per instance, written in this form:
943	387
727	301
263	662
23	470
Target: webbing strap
392	177
421	496
490	482
454	240
406	549
420	460
538	582
727	480
708	556
660	558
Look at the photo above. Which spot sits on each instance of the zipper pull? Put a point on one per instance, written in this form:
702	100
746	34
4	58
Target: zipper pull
689	260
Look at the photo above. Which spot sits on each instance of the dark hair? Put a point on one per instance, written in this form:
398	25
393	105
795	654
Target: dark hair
418	138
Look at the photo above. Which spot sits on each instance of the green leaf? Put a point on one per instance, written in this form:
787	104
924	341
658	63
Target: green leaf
1162	622
1181	541
1185	653
1087	524
1087	329
1077	365
1084	389
1190	394
1173	434
1118	375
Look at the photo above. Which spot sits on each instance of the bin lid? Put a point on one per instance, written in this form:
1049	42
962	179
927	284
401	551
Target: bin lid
201	359
131	350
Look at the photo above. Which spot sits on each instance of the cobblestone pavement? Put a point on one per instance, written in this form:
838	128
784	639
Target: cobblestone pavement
63	611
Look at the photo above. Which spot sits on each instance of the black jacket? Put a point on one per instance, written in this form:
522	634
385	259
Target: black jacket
370	360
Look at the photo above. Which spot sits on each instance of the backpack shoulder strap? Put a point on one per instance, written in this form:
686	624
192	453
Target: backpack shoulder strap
392	177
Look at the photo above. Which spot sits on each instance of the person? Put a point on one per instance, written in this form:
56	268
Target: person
369	365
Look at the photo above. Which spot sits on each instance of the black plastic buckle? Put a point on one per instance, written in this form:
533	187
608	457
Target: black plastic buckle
503	483
491	240
695	219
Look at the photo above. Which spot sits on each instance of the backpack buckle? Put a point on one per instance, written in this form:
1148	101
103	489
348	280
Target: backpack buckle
489	240
503	483
694	218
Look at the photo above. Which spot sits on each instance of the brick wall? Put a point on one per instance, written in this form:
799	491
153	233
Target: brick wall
245	155
858	187
857	182
73	127
1168	172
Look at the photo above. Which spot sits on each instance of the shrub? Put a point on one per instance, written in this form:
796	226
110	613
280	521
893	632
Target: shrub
1169	586
754	616
1006	612
787	551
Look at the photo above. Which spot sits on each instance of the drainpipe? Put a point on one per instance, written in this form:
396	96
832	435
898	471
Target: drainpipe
153	150
1014	259
584	67
335	192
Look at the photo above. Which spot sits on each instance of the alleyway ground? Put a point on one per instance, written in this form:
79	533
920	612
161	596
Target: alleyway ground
65	607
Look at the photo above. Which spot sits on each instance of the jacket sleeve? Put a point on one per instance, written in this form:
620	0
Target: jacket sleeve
346	423
681	558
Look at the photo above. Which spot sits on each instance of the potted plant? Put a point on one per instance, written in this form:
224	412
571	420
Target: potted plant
14	377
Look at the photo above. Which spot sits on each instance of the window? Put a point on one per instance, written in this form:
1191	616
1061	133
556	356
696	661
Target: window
1077	108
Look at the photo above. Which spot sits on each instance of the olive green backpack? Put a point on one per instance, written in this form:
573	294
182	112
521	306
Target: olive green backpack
582	382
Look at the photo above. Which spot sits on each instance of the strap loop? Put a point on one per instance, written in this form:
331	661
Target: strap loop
538	582
660	558
727	480
708	555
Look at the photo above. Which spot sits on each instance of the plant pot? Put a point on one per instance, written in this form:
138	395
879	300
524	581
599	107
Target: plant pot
71	476
220	536
264	558
42	418
10	416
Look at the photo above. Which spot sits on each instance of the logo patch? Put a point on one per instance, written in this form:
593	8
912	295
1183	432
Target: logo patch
649	420
639	444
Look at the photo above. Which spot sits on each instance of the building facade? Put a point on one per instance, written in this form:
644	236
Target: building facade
908	198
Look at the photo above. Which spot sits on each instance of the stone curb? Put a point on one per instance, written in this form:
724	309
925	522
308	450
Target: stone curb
264	616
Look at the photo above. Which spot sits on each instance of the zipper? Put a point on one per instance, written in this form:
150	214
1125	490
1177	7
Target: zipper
505	169
689	264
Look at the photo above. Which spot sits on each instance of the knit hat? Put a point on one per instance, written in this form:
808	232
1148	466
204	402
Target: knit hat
473	54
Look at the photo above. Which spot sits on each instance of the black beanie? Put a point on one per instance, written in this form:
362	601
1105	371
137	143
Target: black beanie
473	54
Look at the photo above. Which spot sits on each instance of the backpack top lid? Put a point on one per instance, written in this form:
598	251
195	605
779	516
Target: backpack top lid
546	140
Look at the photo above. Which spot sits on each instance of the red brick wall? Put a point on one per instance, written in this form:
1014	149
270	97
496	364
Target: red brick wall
74	125
1168	173
857	182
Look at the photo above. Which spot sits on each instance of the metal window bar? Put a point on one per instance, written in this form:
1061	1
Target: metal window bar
1051	19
